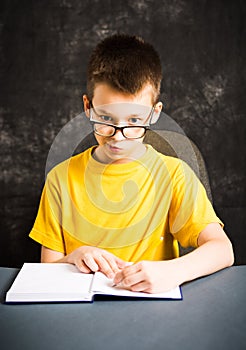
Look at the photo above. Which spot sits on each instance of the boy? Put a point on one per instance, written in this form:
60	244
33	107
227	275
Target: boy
122	201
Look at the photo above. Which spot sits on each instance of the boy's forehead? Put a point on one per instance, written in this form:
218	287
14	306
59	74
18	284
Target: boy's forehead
124	108
105	95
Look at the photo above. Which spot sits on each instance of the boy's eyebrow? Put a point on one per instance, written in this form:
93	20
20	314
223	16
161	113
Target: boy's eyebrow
102	111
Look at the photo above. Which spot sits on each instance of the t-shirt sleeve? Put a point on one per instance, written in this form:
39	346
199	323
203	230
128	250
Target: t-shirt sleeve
190	210
47	229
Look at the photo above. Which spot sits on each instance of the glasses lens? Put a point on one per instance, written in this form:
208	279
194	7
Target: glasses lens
104	130
134	133
128	132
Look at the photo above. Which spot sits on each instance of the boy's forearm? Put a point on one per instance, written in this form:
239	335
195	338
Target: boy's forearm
210	257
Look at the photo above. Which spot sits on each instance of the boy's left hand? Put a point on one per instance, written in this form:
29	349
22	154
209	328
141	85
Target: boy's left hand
149	276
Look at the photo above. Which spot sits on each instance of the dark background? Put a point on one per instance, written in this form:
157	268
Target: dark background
44	49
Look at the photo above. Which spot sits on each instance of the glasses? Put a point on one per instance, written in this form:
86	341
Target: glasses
109	130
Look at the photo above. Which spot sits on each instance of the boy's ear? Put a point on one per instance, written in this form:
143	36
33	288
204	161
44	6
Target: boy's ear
156	113
86	103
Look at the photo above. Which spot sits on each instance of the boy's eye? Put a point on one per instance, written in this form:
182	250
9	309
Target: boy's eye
135	120
105	118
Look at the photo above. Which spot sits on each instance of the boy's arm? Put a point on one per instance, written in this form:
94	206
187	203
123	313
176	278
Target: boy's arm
50	256
214	253
87	259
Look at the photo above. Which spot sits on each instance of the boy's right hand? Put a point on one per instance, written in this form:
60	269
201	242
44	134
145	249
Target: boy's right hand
91	259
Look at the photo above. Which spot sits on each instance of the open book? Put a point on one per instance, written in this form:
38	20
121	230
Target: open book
55	282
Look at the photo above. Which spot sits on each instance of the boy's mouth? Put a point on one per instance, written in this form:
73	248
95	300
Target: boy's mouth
114	148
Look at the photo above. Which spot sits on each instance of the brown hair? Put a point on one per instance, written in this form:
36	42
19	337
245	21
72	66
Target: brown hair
126	63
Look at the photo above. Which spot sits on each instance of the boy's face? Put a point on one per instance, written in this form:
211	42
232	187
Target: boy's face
120	109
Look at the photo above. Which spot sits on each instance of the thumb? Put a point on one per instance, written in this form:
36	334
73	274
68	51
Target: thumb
121	263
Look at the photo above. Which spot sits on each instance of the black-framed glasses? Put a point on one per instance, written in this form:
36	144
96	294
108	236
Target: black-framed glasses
109	130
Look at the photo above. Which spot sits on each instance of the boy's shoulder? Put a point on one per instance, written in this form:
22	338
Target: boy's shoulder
173	165
168	159
71	163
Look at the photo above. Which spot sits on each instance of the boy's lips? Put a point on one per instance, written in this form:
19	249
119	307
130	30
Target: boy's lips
114	148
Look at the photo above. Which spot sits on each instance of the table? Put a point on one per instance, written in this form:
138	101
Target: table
211	316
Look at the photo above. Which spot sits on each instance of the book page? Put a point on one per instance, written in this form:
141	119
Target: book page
103	285
50	282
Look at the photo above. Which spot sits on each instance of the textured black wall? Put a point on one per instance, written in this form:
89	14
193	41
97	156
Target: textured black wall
44	50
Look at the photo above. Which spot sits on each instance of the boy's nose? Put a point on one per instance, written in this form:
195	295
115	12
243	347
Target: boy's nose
118	136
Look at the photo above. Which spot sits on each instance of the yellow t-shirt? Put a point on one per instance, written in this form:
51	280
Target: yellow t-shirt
137	211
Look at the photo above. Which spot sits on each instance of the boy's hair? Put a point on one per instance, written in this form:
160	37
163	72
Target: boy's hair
126	63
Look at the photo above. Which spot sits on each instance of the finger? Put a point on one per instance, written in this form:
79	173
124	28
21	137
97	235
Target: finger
132	280
90	262
121	263
140	287
112	262
104	266
81	266
123	275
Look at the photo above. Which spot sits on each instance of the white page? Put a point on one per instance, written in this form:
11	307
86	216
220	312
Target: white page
50	282
103	285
